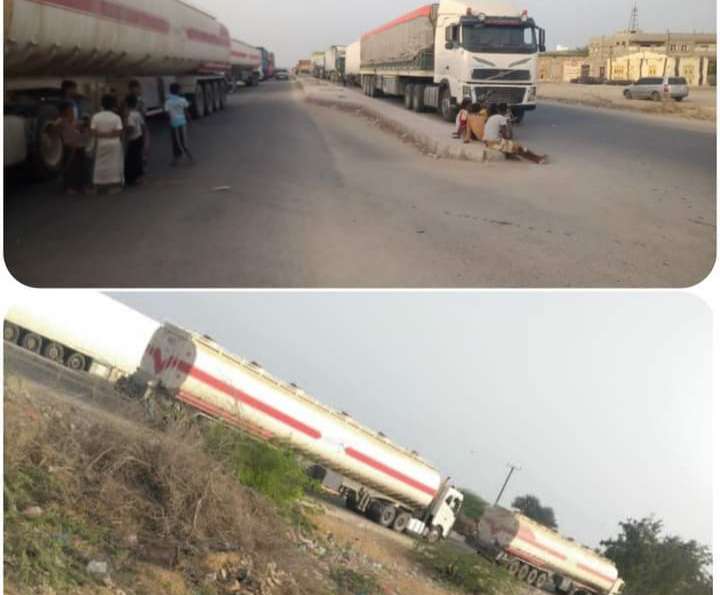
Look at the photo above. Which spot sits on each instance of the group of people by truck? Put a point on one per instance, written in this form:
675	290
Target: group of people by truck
108	150
491	124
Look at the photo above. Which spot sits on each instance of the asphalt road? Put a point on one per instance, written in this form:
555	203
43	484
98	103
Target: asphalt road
320	198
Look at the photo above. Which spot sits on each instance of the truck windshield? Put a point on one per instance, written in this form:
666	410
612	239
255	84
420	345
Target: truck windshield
510	40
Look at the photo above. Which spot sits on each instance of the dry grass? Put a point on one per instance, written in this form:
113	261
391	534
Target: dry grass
114	490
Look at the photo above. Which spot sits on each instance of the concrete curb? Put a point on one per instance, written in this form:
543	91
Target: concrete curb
427	145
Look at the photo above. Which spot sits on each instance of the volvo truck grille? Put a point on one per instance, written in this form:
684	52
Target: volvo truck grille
495	74
510	95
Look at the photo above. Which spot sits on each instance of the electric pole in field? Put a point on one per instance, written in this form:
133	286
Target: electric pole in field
513	468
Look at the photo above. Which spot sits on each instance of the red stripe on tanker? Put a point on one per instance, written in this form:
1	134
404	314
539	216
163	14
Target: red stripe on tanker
113	12
160	365
378	466
423	11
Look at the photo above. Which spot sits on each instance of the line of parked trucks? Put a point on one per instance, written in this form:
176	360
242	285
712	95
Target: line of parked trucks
389	484
438	55
102	46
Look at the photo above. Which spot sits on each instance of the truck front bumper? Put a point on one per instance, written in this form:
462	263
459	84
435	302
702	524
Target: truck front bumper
521	96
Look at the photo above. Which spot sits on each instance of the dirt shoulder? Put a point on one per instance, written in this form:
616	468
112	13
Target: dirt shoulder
699	106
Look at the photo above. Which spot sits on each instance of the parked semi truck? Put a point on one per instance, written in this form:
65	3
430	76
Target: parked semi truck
318	63
102	45
245	61
439	54
267	67
389	484
352	63
335	63
540	556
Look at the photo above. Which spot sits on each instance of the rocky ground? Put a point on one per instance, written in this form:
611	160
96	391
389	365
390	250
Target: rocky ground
97	502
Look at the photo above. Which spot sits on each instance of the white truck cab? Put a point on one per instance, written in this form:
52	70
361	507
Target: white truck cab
488	52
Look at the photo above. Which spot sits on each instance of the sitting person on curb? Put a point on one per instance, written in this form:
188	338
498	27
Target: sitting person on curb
475	129
498	136
462	117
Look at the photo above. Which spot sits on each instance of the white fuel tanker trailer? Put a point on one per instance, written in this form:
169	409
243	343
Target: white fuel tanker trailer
540	556
246	63
391	485
102	46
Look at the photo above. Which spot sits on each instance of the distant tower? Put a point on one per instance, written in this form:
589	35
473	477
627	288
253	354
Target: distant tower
634	26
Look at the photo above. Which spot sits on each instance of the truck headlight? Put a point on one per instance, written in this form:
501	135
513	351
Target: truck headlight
531	94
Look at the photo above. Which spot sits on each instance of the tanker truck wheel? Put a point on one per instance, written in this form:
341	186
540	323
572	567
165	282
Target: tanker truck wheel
435	535
198	103
419	98
532	576
55	352
11	333
32	342
448	111
401	522
351	501
47	153
514	567
387	515
209	99
541	580
523	572
77	362
409	90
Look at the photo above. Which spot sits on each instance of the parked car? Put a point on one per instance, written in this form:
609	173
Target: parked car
281	74
658	88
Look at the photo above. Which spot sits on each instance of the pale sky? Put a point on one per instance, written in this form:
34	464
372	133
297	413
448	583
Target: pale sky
603	400
295	29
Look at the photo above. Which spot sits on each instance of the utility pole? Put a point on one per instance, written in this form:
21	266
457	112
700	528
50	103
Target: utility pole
634	26
513	468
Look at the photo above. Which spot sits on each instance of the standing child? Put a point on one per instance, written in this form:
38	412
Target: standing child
462	118
107	128
177	107
135	131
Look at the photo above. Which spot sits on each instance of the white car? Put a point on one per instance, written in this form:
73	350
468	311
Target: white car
657	88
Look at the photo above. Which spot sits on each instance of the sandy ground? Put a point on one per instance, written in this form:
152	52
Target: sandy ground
701	105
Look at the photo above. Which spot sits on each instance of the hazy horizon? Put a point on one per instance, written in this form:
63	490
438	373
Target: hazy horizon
293	30
604	400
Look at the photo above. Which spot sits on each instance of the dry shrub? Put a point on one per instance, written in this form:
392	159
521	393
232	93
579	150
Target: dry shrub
159	488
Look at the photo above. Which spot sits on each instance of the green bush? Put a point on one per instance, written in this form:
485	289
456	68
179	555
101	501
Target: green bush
467	571
271	470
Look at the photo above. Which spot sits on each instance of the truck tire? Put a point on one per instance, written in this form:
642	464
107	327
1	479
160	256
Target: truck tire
401	521
209	99
514	567
532	576
11	332
221	93
387	515
77	362
447	110
198	102
541	580
419	98
32	342
372	87
434	535
523	572
55	352
351	501
47	151
409	90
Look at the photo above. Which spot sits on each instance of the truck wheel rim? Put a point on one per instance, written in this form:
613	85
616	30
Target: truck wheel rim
532	576
541	580
514	567
523	572
54	352
32	343
51	147
10	333
76	362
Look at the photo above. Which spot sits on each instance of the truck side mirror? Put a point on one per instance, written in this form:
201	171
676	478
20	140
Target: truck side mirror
543	47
